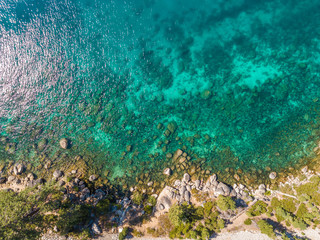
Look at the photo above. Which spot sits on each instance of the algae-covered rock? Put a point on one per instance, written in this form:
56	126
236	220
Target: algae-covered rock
205	94
42	144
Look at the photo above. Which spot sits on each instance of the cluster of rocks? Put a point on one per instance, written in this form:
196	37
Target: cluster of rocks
181	191
16	177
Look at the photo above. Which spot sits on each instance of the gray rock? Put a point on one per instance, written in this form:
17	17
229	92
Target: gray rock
304	169
150	184
272	175
165	198
99	194
186	177
177	183
85	191
262	187
197	184
219	192
213	178
187	196
167	171
161	206
2	180
61	183
76	180
11	179
233	193
57	174
18	169
31	183
40	181
226	190
30	176
182	190
92	178
96	229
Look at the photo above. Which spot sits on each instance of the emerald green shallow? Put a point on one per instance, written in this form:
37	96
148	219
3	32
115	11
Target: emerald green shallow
233	83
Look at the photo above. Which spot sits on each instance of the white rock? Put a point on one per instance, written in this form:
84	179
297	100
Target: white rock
167	171
272	175
92	178
186	177
57	174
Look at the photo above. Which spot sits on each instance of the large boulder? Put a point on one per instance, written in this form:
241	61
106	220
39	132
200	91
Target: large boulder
223	188
165	199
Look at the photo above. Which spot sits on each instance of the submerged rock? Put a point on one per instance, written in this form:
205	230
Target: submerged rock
64	143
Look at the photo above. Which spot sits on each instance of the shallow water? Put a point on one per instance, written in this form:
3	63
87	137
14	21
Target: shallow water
236	83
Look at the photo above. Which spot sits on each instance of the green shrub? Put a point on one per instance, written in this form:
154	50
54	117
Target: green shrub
288	204
207	208
148	209
267	193
205	234
310	189
192	234
124	233
165	223
257	209
266	228
16	222
182	214
303	212
137	198
102	207
137	233
298	223
248	221
226	203
152	200
69	218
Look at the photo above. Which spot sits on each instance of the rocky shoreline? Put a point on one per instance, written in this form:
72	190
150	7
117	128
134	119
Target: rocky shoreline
137	209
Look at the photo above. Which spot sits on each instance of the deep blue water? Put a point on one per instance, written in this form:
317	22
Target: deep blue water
237	81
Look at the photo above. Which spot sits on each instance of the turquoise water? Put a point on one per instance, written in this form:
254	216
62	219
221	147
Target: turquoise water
236	83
